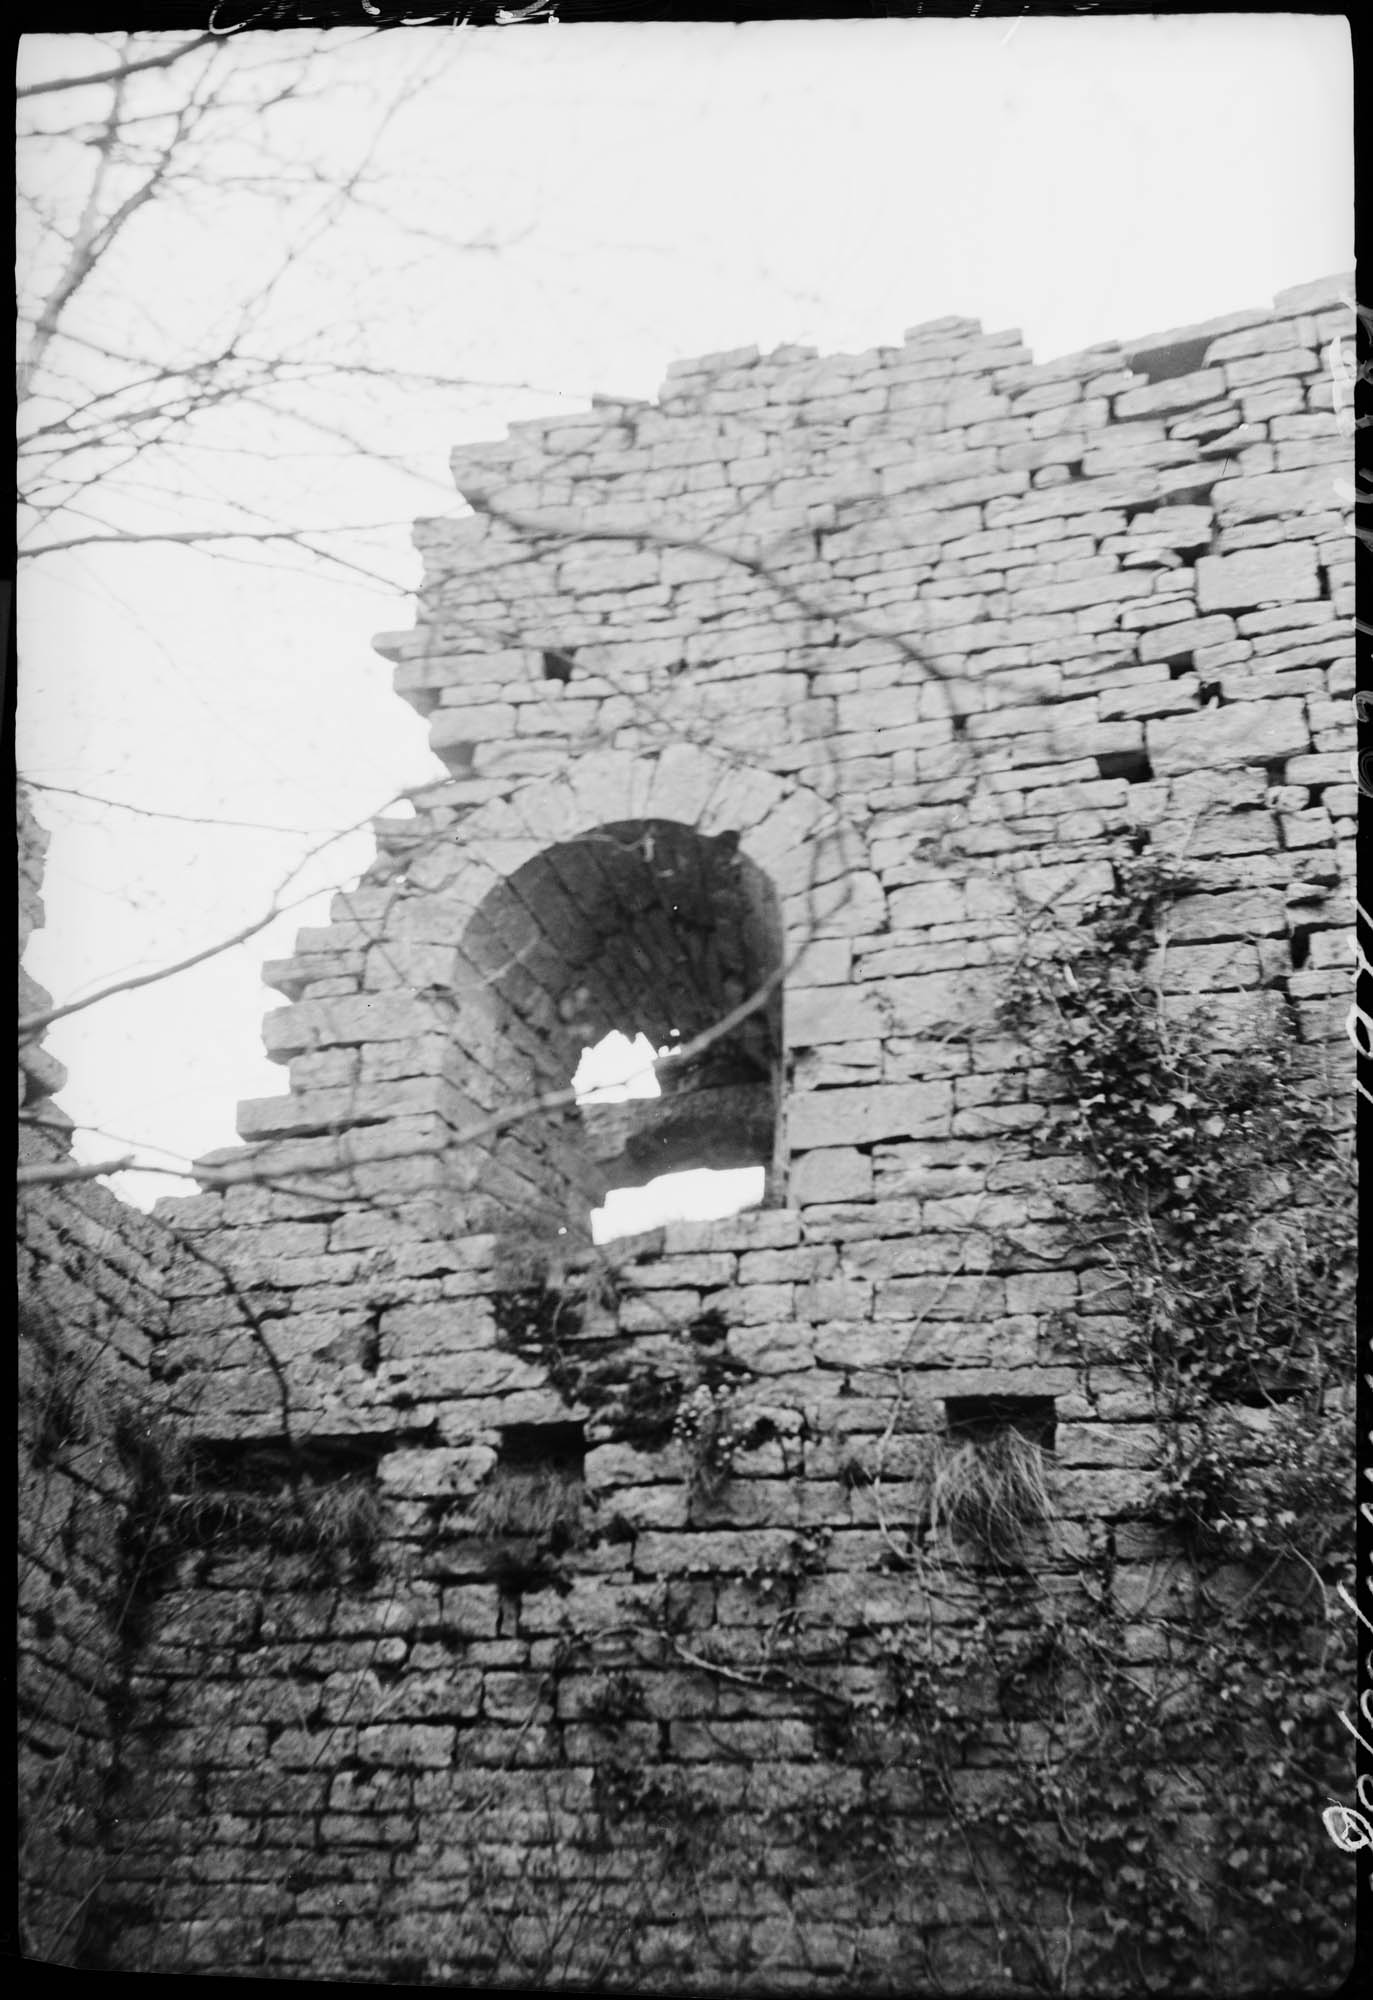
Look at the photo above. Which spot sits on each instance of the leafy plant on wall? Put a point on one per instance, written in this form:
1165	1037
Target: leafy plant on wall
1229	1221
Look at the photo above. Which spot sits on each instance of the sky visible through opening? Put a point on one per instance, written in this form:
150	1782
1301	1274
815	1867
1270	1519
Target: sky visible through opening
581	207
617	1069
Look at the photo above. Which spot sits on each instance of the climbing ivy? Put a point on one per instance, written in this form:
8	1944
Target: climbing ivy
645	1404
1021	1777
1132	1791
1229	1194
1229	1218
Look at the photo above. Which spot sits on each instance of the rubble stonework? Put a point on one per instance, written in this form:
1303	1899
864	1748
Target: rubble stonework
824	683
93	1282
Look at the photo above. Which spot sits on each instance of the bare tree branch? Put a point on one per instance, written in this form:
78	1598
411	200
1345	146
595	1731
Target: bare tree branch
118	73
551	529
81	260
31	1025
69	1171
193	537
112	445
155	812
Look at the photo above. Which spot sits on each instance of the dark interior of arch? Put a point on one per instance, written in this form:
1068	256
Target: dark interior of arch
645	926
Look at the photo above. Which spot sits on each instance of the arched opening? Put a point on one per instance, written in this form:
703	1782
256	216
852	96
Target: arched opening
617	1071
634	940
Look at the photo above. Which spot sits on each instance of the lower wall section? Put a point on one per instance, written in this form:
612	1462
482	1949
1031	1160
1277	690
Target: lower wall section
650	1644
94	1278
934	1585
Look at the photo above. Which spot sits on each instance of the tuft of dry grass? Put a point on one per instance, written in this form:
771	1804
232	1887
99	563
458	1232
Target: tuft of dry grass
539	1502
62	1386
329	1518
992	1492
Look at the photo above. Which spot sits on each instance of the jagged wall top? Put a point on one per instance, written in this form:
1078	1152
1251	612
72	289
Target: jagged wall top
933	581
797	384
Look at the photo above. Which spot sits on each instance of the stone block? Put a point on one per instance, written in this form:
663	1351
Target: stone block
1283	361
426	1746
380	1017
935	1003
715	1553
834	1173
1331	948
816	1014
827	962
700	1271
1269	496
1244	913
857	1117
1181	392
743	1305
1333	291
773	1348
659	1311
766	1267
850	906
1210	968
1180	640
754	1229
939	1297
1274	575
1261	732
1123	1446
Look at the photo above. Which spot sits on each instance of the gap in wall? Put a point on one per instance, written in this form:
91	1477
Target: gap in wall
619	1068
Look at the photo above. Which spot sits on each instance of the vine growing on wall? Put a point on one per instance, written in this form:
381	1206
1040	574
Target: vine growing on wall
542	1316
1132	1788
1229	1221
1029	1761
1229	1192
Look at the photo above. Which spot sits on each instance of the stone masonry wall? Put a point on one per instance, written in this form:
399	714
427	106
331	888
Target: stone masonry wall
836	680
93	1289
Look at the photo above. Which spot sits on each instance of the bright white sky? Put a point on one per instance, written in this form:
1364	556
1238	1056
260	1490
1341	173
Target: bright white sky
644	193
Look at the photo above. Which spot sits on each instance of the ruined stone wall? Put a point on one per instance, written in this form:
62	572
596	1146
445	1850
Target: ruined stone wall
850	684
93	1285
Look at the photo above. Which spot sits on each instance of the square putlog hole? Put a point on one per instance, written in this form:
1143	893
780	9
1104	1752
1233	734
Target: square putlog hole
974	1419
544	1448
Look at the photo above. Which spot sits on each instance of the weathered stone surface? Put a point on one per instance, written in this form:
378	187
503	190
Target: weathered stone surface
1257	576
724	1128
835	1173
1181	639
833	1014
1270	496
311	1024
1180	392
856	1117
1253	913
1320	292
1240	733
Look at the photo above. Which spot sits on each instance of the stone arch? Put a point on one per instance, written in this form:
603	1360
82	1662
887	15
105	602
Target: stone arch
797	837
650	895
